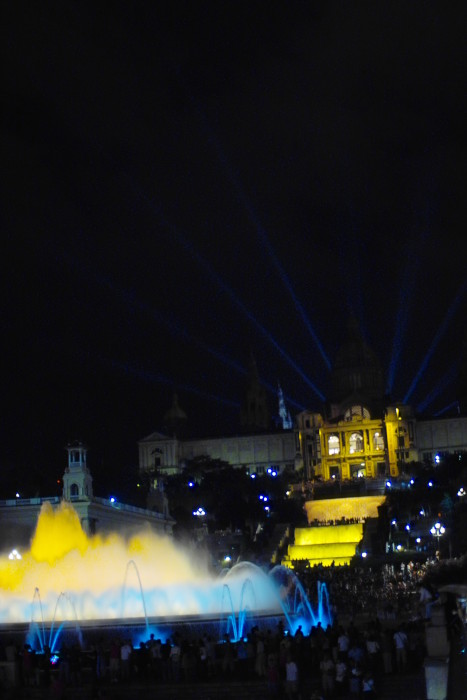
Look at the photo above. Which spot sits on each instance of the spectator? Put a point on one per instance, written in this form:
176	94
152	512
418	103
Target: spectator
125	654
328	669
291	678
341	677
400	642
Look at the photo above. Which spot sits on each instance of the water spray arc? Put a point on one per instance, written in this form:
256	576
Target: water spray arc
132	565
143	583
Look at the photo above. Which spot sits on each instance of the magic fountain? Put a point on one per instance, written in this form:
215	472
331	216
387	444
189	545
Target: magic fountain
68	580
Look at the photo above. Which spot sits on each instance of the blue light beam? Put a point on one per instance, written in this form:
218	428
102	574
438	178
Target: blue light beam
175	327
434	343
447	408
264	239
444	382
161	379
203	263
406	296
402	318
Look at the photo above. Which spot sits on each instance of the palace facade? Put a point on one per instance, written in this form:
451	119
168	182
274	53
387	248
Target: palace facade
357	433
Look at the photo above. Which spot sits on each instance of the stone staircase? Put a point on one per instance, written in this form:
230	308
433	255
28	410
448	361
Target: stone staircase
280	538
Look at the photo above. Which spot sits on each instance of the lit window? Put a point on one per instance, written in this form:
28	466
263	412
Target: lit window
333	445
355	443
378	442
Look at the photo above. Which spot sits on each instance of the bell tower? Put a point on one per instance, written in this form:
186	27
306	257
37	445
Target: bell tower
77	480
255	415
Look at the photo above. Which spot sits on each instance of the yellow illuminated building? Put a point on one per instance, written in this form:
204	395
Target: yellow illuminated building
356	435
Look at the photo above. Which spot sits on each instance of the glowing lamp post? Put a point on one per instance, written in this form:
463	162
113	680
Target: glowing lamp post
438	531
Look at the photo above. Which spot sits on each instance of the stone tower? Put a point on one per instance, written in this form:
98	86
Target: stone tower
77	480
175	419
357	378
255	414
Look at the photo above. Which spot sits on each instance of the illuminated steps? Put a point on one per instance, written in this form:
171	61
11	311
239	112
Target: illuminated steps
324	544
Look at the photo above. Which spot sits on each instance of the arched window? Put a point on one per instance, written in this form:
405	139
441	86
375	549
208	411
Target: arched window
355	443
378	441
74	490
333	445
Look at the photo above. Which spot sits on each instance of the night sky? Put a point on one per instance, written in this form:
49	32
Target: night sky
190	182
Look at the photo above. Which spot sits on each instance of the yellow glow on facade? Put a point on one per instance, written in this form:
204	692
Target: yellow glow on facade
332	544
324	545
325	535
349	508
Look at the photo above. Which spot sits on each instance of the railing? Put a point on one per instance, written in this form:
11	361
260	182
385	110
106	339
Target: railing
29	501
18	502
129	509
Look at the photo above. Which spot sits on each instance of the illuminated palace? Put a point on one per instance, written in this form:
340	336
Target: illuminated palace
358	437
357	434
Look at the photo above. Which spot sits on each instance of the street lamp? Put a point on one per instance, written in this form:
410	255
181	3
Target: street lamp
437	531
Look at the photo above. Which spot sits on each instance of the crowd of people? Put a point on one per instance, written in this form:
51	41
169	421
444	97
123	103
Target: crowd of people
340	521
390	592
380	632
338	661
